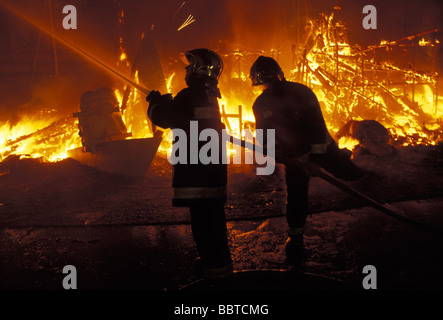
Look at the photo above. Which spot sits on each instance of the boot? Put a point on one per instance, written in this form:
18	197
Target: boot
294	250
198	267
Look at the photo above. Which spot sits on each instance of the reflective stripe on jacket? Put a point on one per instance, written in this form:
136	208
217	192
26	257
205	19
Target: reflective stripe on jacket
193	182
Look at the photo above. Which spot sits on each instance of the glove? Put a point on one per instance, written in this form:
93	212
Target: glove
153	96
303	162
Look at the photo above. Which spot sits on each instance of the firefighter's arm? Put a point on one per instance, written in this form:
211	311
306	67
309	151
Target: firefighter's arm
261	123
303	162
158	110
317	126
307	164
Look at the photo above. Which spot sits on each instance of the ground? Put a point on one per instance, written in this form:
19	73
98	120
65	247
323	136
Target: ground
123	234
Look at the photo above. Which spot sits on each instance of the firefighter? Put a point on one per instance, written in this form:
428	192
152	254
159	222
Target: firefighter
201	187
292	109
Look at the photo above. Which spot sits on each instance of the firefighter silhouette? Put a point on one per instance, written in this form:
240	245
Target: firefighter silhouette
200	187
292	109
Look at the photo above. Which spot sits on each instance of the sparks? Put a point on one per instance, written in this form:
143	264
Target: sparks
188	21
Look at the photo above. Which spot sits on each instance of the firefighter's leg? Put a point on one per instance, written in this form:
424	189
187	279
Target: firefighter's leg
208	224
297	185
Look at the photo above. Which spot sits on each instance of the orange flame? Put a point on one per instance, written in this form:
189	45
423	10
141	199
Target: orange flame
343	77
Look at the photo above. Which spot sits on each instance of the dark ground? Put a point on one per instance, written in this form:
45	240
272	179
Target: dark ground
123	235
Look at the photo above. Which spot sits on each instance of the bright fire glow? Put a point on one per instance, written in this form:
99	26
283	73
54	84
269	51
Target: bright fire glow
46	138
345	82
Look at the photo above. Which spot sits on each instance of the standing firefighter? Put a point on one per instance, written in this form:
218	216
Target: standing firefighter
201	187
292	109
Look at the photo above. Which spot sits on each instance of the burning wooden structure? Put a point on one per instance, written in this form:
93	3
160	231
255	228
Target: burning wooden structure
355	83
373	103
352	84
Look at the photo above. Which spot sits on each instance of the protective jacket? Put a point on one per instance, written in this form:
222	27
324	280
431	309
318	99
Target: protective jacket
292	109
193	183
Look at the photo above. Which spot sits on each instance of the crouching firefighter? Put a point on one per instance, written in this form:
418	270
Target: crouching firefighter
201	187
292	109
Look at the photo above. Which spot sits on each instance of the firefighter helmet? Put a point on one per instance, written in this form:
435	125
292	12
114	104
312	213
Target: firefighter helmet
203	63
265	70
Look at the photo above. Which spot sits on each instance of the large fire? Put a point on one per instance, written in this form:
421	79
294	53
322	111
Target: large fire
48	138
347	79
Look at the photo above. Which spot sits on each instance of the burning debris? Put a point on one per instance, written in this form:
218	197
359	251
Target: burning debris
388	114
37	138
371	137
352	84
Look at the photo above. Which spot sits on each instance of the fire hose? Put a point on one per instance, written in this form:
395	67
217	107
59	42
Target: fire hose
76	48
332	180
336	182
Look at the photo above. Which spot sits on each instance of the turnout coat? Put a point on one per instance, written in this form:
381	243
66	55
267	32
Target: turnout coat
293	110
193	183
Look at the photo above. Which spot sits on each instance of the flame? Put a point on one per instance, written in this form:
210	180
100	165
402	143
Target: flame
348	143
123	56
423	42
46	138
134	115
346	83
343	76
123	60
169	82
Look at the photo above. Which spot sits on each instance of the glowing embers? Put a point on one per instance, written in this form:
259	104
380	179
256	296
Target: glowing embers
133	107
39	137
